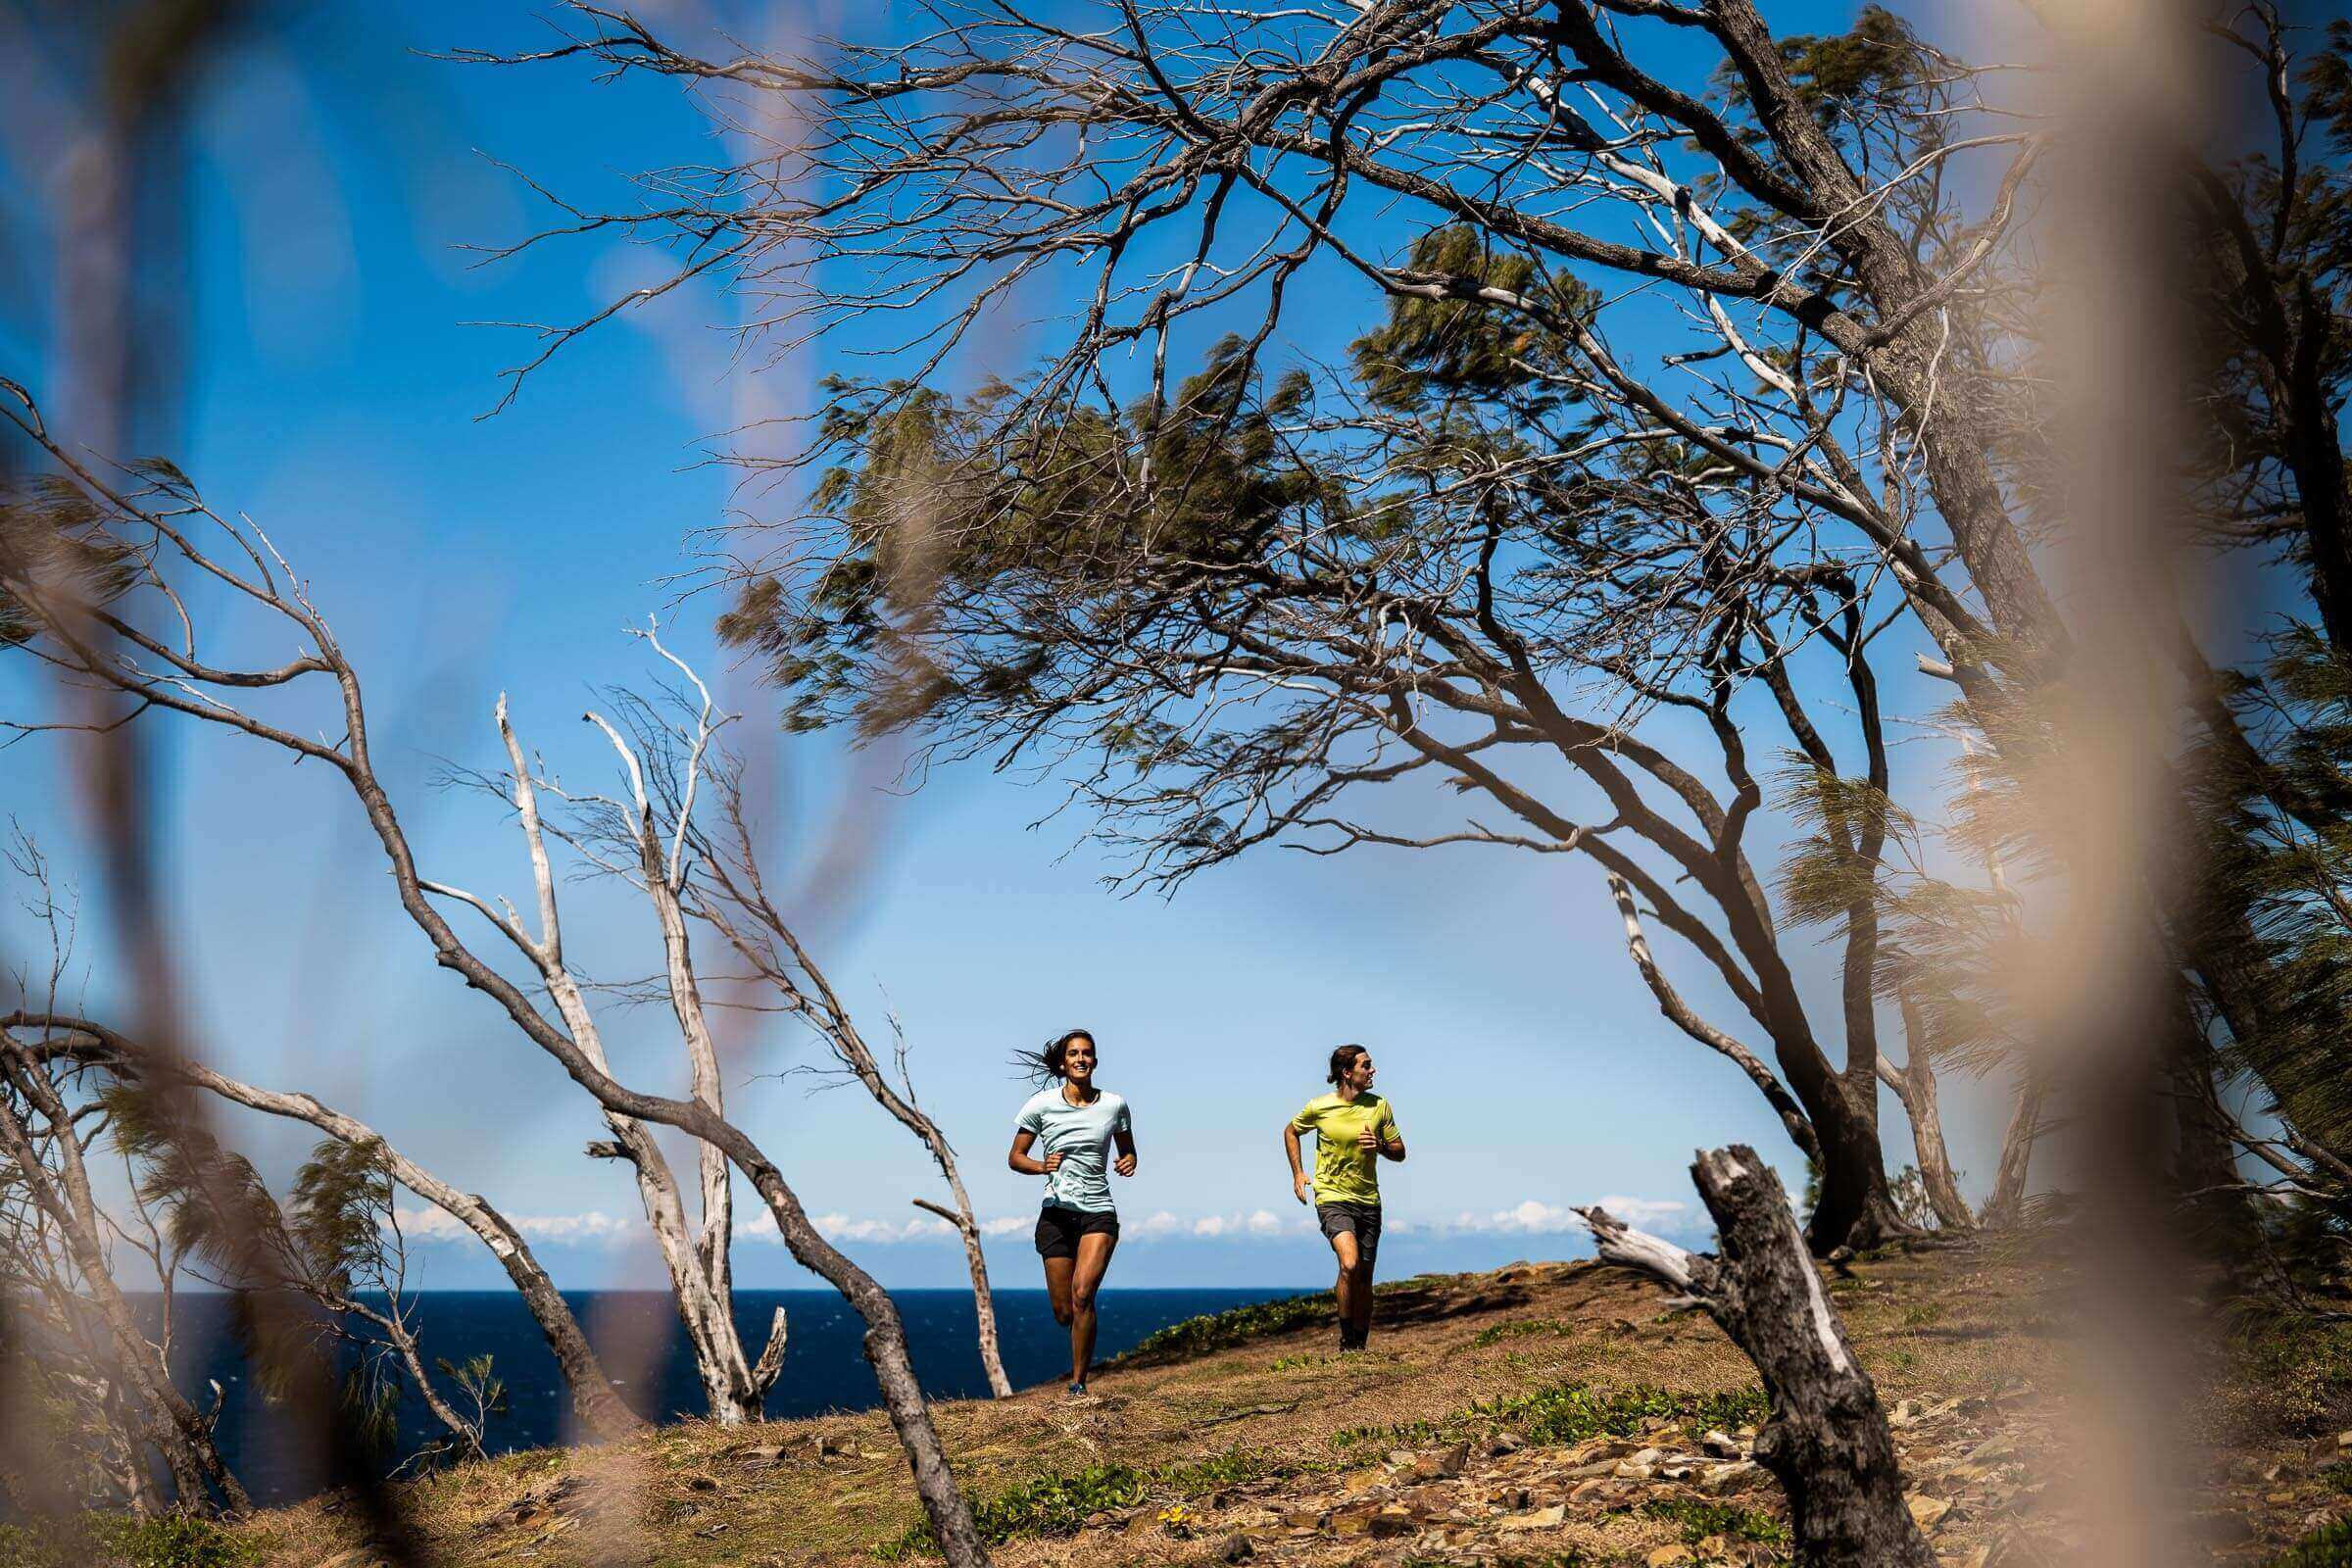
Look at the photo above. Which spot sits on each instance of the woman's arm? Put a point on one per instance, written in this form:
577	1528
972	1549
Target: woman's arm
1020	1158
1125	1164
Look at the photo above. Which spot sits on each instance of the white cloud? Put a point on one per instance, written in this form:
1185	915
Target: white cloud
1534	1217
429	1224
840	1228
592	1226
753	1223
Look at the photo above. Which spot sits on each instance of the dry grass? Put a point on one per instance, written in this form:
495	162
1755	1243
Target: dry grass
1926	1325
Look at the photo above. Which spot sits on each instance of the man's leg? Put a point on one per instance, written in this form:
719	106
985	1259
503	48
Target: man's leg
1359	1299
1367	1249
1093	1257
1343	1247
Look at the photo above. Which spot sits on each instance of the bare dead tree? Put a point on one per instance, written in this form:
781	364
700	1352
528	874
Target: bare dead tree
692	826
699	1258
165	531
1826	1439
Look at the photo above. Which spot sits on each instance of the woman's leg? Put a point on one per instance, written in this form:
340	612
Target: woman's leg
1057	1287
1094	1261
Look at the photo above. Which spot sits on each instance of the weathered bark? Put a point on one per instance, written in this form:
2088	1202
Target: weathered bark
1826	1439
601	1411
1914	1084
1856	1210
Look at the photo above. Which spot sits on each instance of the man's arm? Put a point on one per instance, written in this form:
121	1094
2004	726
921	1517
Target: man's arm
1392	1142
1290	1146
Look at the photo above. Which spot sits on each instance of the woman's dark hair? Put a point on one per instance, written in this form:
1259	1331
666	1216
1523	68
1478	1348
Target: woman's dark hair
1050	1062
1343	1060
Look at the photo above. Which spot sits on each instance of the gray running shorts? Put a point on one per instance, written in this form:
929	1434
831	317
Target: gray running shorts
1359	1220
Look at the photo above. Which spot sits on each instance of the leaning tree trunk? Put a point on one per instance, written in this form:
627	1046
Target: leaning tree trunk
2007	1204
1856	1209
1827	1439
1915	1086
984	1305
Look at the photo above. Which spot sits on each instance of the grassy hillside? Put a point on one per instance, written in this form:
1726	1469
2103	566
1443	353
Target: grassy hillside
1541	1414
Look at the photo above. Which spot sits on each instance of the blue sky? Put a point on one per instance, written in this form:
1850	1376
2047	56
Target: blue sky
332	392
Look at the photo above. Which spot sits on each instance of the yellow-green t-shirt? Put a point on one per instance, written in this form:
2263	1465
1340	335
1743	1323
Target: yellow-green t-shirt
1344	1172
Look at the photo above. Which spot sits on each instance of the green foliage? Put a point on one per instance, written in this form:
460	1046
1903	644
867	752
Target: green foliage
1045	1506
52	532
1399	1434
1833	866
475	1379
1197	1336
1198	1477
339	1196
1700	1518
1059	1504
2328	1547
124	1540
2293	1376
1453	347
1571	1411
2291	872
1520	1329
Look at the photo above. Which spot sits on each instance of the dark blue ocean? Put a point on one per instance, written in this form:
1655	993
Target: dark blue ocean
636	1334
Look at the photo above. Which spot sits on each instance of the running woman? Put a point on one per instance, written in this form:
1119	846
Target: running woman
1073	1124
1351	1124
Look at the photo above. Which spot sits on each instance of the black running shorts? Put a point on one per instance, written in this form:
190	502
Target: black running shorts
1359	1220
1058	1229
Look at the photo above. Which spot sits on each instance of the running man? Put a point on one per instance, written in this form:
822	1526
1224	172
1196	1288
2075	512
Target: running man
1351	1124
1073	1124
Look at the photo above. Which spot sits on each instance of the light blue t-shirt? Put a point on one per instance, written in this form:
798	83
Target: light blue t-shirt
1081	1135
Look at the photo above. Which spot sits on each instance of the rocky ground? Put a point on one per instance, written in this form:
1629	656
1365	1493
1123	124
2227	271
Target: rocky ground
1545	1414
